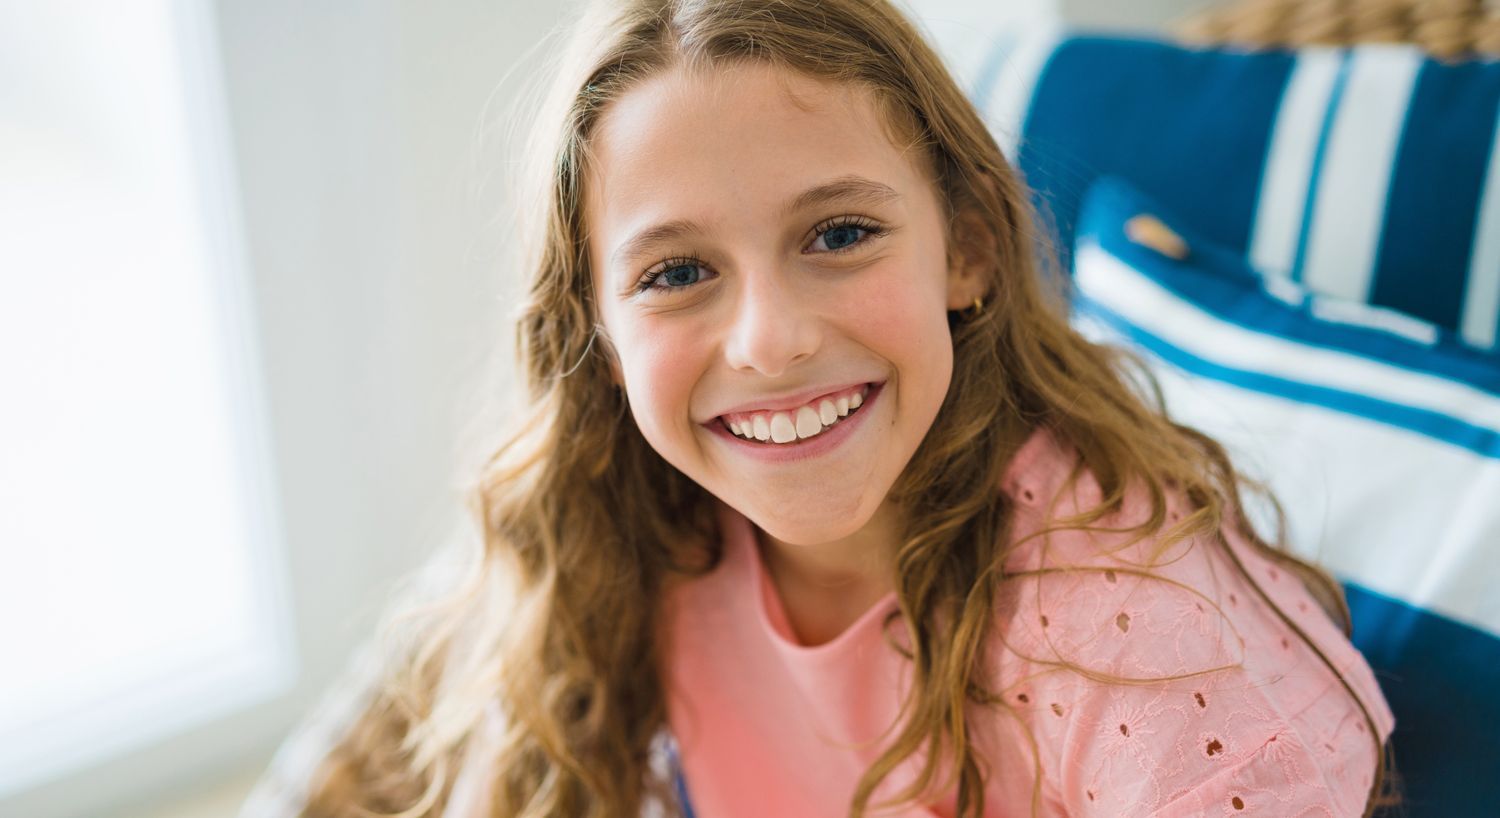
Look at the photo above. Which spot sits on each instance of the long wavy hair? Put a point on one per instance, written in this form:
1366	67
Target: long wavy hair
583	523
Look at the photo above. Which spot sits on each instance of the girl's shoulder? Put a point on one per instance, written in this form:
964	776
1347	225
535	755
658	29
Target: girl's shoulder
1174	682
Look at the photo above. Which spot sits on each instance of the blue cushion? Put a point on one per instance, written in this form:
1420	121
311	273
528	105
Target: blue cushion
1363	173
1380	434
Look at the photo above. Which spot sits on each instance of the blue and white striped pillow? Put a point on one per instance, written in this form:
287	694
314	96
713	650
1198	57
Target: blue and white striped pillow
1364	173
1380	434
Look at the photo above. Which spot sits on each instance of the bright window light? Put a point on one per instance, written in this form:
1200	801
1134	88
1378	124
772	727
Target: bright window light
142	591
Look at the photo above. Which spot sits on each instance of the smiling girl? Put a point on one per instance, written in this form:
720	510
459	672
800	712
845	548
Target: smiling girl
821	500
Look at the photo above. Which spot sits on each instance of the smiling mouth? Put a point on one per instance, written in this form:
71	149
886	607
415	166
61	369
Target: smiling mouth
790	427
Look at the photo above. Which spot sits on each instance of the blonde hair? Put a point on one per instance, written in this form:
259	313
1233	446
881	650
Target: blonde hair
583	522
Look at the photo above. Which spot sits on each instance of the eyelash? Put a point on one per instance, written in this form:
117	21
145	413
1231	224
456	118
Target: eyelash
872	230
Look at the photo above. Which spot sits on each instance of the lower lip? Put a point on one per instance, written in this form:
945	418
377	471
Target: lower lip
815	446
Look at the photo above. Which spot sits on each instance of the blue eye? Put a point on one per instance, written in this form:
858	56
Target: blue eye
678	274
841	236
844	234
681	275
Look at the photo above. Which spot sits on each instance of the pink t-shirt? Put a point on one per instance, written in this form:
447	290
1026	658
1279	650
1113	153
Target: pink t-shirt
768	726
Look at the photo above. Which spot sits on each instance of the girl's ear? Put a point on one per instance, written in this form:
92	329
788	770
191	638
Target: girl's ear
972	258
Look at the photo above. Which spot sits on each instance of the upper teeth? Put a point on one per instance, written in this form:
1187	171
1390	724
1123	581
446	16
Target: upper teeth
795	424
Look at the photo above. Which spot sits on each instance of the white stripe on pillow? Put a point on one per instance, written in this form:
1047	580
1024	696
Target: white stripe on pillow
1143	302
1482	287
1353	313
1289	160
1357	161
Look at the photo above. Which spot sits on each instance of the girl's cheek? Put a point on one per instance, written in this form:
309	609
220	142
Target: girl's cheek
896	307
666	359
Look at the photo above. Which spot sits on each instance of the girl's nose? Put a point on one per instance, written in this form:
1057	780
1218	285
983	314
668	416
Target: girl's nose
772	327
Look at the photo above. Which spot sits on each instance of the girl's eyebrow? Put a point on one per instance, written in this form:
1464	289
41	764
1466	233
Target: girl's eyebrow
851	189
666	231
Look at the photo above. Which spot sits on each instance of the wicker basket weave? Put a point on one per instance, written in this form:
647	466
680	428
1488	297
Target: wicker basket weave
1446	29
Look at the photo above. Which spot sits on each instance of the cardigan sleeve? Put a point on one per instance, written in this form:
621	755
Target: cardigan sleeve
1215	716
1173	680
1279	778
1215	745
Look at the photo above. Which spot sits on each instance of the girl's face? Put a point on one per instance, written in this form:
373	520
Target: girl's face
759	244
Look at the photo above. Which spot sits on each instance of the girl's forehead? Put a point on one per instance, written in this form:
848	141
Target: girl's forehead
687	137
744	90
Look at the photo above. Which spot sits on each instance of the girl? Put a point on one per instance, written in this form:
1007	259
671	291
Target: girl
880	533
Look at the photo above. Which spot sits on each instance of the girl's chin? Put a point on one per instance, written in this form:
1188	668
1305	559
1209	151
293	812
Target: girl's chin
816	526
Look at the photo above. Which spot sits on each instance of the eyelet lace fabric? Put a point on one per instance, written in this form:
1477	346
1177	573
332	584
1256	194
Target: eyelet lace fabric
1245	717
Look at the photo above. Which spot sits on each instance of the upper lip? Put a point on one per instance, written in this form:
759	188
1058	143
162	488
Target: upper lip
776	404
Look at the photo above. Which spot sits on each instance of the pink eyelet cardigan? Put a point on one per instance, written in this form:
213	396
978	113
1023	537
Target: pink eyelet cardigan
1255	724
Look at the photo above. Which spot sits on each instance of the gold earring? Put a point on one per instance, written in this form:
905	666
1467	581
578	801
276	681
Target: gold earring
978	306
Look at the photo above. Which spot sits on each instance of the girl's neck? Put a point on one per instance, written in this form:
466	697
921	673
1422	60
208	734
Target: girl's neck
825	587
